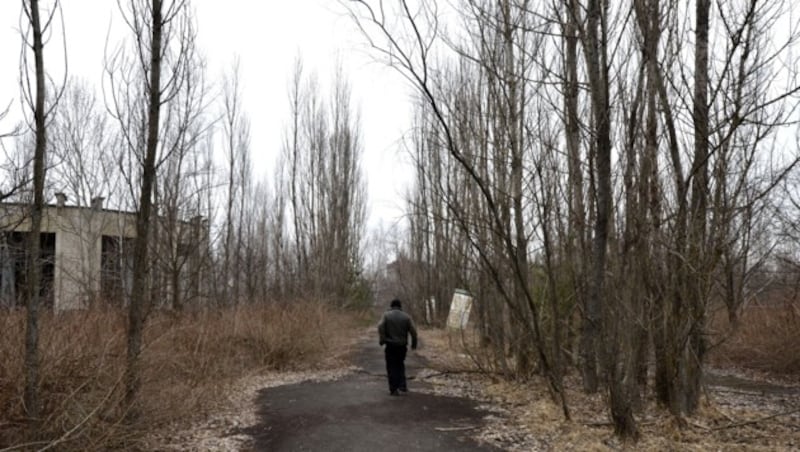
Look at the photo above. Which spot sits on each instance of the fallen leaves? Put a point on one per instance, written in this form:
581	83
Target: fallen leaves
755	415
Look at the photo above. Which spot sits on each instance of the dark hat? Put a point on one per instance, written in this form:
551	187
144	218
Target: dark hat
395	303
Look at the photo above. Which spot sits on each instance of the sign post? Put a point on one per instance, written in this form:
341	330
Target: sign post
459	310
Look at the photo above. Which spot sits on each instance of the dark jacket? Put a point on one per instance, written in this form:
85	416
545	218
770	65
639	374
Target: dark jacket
395	327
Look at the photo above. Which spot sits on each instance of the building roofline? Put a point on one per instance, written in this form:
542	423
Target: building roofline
25	204
74	207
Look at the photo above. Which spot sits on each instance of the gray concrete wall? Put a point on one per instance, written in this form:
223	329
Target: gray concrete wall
79	232
79	235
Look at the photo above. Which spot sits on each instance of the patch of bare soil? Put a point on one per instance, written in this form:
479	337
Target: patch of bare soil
737	413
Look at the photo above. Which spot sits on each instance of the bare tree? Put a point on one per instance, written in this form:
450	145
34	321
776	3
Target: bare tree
345	197
36	100
14	175
327	197
667	161
279	242
142	80
12	182
409	49
181	185
81	139
236	137
292	155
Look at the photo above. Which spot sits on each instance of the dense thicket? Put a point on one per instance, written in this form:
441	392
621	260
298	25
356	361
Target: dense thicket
600	175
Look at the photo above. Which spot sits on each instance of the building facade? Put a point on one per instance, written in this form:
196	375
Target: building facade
87	254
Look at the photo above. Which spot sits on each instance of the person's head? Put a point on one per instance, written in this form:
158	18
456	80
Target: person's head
395	304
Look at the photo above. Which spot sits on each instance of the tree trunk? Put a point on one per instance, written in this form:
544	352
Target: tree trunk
597	65
141	268
694	355
33	261
577	226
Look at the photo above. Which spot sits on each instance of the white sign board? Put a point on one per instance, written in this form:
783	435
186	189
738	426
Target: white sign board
459	310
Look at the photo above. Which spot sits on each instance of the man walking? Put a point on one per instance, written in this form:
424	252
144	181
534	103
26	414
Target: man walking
394	328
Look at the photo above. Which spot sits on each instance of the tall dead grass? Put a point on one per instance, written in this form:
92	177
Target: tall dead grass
186	361
765	338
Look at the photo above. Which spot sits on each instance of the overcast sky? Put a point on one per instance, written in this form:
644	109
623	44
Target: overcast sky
267	36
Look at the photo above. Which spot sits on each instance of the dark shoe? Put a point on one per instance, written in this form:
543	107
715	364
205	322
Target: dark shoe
403	389
394	392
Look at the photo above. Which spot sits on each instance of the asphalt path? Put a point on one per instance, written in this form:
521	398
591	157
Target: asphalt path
356	413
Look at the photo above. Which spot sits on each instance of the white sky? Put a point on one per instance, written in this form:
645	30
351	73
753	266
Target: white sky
267	35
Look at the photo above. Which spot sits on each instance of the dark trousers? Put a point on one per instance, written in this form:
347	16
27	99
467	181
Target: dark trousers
395	366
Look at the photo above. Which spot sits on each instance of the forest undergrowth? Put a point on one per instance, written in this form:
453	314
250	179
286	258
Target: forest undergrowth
757	410
186	362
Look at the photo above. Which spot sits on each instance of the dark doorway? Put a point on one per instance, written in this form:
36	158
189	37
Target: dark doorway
116	274
12	268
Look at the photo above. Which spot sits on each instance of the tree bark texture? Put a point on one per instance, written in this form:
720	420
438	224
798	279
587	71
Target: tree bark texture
141	268
33	260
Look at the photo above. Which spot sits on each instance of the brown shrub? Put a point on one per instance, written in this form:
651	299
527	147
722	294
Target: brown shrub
186	359
764	339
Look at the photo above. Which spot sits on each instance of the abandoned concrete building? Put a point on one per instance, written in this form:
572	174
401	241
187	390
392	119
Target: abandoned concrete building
87	255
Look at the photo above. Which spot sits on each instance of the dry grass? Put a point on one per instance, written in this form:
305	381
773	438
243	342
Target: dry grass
764	340
525	417
186	361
